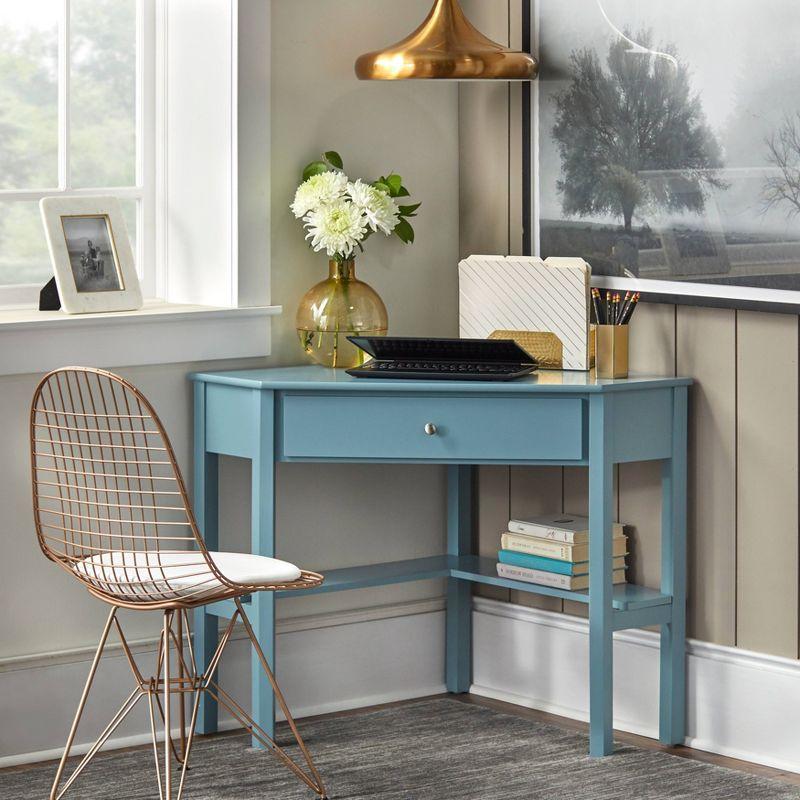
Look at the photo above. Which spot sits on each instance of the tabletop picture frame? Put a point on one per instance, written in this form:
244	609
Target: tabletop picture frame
91	253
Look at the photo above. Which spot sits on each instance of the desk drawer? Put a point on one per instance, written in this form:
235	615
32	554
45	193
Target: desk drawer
394	427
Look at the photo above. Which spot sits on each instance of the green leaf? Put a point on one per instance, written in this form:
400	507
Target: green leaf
314	168
408	211
395	184
403	192
333	158
404	232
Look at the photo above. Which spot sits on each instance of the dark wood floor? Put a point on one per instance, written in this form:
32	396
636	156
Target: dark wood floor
567	724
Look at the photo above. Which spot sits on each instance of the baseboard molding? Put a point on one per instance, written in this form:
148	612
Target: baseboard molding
290	625
359	658
739	703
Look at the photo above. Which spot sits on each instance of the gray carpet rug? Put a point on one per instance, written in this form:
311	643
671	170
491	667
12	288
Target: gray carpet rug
437	749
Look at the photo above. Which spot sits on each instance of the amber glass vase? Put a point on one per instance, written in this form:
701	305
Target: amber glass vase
336	308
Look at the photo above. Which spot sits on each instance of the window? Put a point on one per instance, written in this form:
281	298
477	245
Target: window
76	118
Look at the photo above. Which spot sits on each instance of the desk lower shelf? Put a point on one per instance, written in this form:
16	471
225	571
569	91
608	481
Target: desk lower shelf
627	597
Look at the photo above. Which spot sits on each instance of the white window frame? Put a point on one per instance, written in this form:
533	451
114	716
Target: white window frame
212	303
145	189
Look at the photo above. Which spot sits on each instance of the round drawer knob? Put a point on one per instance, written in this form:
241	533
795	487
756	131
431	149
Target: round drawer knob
430	429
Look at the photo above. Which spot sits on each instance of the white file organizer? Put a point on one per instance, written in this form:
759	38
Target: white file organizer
525	294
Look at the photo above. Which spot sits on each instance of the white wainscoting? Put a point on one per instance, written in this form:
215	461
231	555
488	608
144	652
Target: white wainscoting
740	704
326	663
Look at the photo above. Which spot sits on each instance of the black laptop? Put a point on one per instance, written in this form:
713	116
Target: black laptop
442	359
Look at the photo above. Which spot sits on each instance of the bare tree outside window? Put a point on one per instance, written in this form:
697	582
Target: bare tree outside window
783	190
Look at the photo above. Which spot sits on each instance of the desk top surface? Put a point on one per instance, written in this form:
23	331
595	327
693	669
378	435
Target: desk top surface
314	378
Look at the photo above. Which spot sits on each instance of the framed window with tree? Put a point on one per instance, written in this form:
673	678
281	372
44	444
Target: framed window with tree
664	155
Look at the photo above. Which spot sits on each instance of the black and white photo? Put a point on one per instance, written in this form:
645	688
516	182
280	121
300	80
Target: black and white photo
92	254
669	143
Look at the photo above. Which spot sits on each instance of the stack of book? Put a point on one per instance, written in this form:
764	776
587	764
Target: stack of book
554	551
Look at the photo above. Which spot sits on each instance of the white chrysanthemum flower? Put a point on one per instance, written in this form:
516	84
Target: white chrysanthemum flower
360	193
336	227
383	214
377	206
326	187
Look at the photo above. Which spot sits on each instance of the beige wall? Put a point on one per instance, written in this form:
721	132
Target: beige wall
46	610
327	515
361	513
411	128
743	482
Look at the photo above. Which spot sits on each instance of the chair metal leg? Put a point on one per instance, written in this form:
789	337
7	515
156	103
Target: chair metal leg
54	794
167	704
182	674
157	697
192	727
316	784
164	682
155	741
125	709
184	679
201	685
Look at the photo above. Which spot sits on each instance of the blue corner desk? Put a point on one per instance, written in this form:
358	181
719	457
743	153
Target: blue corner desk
567	418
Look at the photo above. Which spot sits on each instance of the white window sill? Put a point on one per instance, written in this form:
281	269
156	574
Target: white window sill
159	333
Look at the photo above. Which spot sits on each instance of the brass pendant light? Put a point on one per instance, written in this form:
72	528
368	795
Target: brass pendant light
447	46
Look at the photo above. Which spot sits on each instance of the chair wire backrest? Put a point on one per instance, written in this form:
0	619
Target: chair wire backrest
110	504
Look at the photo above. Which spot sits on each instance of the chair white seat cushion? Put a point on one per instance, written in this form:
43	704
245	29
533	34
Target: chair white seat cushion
179	573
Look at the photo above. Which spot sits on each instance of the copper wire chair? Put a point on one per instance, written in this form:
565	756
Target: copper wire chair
111	508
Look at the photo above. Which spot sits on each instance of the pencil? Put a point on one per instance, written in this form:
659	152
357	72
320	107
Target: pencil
596	306
632	308
628	309
625	305
635	305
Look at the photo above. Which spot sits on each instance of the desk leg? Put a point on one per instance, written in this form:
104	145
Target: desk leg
262	532
672	720
601	487
459	593
206	511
